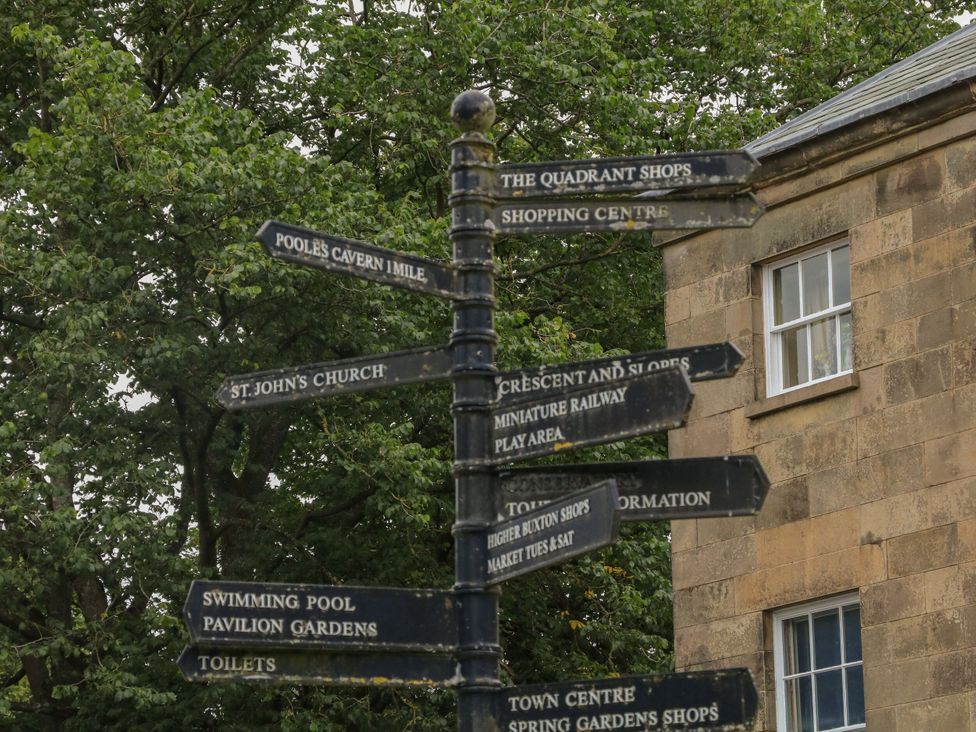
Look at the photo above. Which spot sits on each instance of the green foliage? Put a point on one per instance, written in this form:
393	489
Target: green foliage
141	146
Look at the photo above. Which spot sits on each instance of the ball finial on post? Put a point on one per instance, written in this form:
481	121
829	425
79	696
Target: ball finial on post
473	111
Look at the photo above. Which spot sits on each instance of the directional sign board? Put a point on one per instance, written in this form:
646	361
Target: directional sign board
699	700
648	490
625	214
291	666
649	402
713	361
357	258
259	614
575	525
262	388
619	175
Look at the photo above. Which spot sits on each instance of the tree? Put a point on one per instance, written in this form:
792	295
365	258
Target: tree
143	143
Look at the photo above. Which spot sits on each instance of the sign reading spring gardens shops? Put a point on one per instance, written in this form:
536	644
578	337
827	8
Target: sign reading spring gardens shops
705	487
261	388
618	175
625	214
701	700
712	361
360	259
262	614
580	523
649	402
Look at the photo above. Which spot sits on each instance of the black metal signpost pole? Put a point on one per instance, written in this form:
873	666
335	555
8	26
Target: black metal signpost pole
473	345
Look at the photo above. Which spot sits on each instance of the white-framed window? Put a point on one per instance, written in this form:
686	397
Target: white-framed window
819	671
807	309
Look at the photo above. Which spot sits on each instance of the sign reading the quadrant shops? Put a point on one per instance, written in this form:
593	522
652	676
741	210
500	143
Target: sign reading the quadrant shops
713	361
357	258
618	175
649	402
291	666
261	388
564	529
625	214
255	614
700	700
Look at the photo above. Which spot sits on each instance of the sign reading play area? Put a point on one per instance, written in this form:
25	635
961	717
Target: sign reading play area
699	700
616	410
578	524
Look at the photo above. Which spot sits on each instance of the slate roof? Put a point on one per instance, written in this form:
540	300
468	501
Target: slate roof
944	63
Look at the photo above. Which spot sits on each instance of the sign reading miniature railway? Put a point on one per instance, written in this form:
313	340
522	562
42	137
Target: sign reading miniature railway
649	402
580	523
262	388
255	614
625	214
698	700
648	490
713	361
290	666
368	261
619	175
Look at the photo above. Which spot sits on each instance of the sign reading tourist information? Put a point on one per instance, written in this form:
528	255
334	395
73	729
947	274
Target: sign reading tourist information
262	388
713	361
371	262
648	490
590	415
293	666
256	614
619	175
625	214
564	529
698	700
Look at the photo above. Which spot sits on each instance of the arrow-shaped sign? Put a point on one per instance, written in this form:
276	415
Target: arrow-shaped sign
697	700
575	525
712	361
261	388
255	614
618	175
625	214
281	666
358	258
615	410
704	487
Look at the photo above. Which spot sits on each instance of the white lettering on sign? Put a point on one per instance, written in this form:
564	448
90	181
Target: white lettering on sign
536	525
690	499
553	215
240	664
253	626
631	212
300	382
329	628
266	600
525	383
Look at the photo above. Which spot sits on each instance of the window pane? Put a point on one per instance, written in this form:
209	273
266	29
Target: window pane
824	347
799	704
786	294
795	357
798	646
826	639
846	348
830	700
840	265
852	634
855	695
815	284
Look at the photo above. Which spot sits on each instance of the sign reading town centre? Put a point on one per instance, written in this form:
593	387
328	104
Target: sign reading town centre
699	700
255	614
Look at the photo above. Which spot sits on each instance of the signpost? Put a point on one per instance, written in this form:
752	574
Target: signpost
572	418
261	388
700	700
619	175
381	636
714	361
581	523
575	216
649	490
348	256
263	614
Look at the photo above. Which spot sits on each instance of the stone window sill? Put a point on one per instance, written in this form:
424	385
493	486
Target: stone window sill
799	396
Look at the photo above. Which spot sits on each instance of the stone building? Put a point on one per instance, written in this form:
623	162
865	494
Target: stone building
852	594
